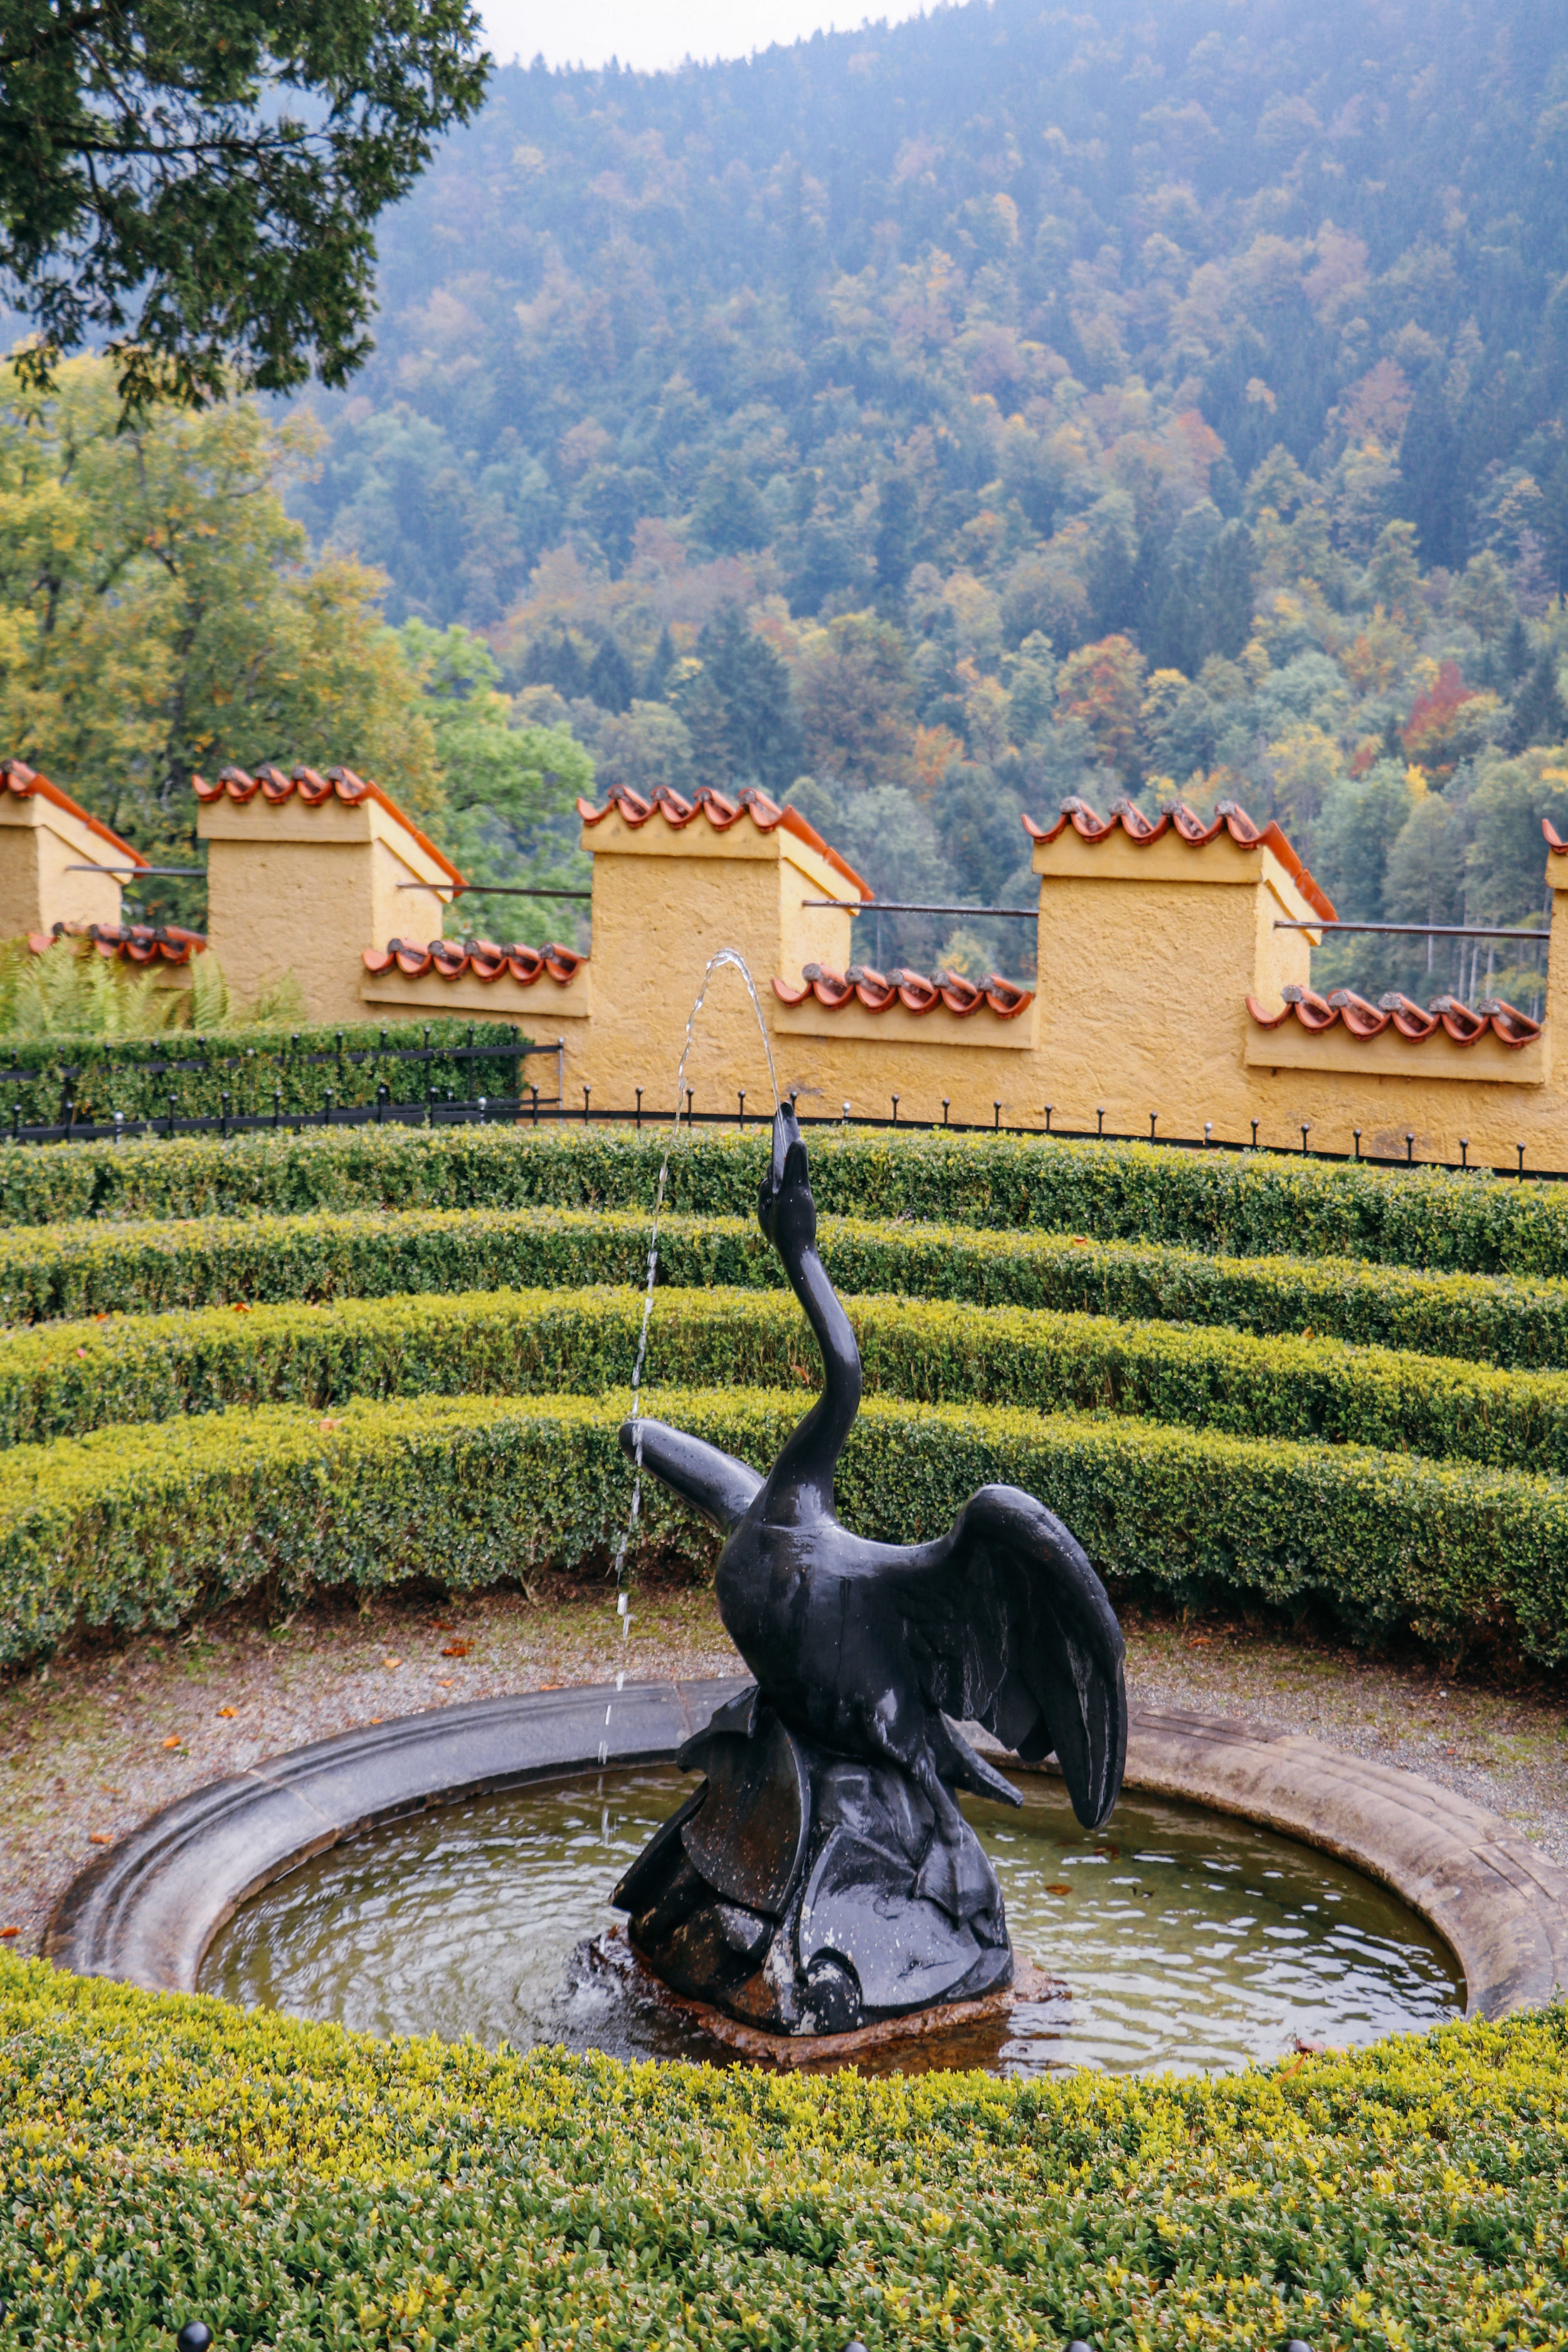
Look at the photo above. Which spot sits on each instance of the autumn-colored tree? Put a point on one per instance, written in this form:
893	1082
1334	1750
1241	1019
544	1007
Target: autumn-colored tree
1101	686
159	615
854	693
1448	723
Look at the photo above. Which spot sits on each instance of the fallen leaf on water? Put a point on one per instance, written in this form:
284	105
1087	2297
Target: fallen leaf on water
173	1740
458	1650
99	1837
228	1710
1060	1887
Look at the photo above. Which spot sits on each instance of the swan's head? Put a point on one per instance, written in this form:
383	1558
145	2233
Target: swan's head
786	1210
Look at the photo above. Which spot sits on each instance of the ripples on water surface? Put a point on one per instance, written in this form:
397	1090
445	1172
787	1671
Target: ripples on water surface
1179	1938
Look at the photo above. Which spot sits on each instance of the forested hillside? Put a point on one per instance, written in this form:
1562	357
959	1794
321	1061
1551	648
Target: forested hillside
929	422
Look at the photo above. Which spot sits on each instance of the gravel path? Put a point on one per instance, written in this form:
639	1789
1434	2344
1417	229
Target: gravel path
91	1745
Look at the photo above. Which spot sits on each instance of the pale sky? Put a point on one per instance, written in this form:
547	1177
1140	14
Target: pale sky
591	32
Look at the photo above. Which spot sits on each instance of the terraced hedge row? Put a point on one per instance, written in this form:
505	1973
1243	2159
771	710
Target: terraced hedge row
130	1527
95	1266
1246	1204
73	1376
297	2186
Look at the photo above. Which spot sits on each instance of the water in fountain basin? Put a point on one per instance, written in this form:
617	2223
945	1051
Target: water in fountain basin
725	958
1175	1938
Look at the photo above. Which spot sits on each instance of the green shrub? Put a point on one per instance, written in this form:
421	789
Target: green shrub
252	1066
1243	1204
128	1528
94	1266
74	1377
294	2185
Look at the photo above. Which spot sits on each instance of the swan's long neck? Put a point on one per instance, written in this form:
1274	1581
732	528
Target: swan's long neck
799	1485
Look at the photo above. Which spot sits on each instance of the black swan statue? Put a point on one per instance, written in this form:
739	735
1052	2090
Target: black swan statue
821	1877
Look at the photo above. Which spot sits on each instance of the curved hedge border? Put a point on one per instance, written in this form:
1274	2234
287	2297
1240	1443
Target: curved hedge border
1246	1205
96	1265
68	1378
293	2184
136	1526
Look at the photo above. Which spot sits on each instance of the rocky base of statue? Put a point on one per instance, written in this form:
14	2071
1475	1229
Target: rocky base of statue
787	1891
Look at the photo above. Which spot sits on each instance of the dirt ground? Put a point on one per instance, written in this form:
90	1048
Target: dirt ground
92	1743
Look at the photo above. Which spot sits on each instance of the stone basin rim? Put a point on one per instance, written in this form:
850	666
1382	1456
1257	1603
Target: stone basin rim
145	1911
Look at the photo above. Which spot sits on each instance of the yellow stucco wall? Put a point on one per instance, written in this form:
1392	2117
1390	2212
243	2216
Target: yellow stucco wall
1148	953
302	889
39	844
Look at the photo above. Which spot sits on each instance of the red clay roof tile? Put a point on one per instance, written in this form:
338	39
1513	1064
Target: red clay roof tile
1554	840
483	959
879	992
722	810
313	787
134	942
25	783
1227	818
1463	1022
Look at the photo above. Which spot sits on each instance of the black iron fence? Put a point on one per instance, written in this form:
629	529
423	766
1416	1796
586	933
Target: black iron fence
530	1107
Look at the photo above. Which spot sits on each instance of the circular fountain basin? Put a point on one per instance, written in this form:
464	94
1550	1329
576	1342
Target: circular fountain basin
1175	1939
1179	1897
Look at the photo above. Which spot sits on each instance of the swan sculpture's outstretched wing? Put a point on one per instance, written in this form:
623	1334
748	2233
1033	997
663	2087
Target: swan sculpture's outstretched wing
1009	1626
715	1484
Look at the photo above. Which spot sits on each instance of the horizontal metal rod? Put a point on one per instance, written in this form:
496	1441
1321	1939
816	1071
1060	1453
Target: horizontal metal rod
494	889
898	906
187	873
1421	930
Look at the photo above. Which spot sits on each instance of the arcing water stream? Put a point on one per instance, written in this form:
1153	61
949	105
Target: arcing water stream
725	957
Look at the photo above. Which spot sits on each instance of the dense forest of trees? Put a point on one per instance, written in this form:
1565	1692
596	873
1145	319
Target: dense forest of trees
932	422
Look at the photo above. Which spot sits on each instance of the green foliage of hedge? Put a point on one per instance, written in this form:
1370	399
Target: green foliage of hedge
96	1265
296	2184
251	1067
74	1377
128	1528
1243	1204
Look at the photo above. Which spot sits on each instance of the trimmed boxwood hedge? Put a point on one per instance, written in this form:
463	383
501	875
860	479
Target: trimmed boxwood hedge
96	1266
128	1528
103	1075
294	2185
73	1376
1245	1205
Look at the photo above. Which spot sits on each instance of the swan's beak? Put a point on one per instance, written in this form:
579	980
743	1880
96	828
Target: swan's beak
786	1132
